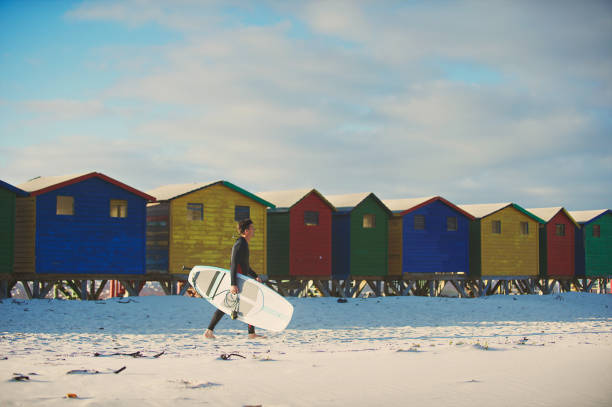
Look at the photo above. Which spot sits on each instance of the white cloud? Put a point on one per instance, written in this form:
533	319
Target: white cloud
360	102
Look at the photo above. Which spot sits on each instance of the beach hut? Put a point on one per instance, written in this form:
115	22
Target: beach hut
195	224
594	243
435	235
557	242
8	195
80	224
360	235
504	241
299	234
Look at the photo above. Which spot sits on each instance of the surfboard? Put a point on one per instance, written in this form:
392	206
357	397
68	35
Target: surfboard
255	304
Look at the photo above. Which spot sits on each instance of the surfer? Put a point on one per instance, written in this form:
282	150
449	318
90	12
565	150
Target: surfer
239	264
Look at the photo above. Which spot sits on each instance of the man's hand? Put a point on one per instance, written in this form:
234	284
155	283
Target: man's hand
234	289
258	279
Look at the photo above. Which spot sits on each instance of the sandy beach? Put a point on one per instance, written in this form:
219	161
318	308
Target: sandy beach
551	350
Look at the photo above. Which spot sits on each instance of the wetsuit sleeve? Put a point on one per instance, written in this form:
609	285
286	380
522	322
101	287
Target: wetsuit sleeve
235	262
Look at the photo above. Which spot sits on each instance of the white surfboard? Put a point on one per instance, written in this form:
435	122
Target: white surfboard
257	303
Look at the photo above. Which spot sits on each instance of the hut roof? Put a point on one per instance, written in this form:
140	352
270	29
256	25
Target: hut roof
285	200
548	213
483	210
42	185
588	216
12	188
347	202
404	206
173	191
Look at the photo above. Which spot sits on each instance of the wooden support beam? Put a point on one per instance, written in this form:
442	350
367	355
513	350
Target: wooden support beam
4	292
26	288
322	287
46	287
74	285
84	293
374	286
130	287
588	284
459	287
358	288
100	289
409	287
184	288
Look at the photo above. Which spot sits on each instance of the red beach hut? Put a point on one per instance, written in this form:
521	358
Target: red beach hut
299	234
557	242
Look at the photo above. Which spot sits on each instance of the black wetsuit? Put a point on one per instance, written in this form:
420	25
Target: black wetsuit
239	263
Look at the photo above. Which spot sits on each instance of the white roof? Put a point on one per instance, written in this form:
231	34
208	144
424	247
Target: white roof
167	192
545	213
397	205
39	183
482	210
284	199
585	216
347	200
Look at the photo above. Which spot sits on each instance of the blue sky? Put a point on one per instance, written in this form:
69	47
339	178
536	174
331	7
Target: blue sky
475	101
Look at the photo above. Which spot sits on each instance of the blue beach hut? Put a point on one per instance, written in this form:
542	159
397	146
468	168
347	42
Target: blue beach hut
80	224
435	235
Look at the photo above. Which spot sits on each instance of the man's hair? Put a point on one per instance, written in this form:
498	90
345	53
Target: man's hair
244	225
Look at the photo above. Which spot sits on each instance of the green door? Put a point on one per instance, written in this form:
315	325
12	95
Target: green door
369	239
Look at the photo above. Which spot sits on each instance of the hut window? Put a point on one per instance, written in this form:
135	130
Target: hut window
118	208
311	218
195	211
451	223
369	221
524	228
596	231
65	205
496	226
242	212
419	222
560	229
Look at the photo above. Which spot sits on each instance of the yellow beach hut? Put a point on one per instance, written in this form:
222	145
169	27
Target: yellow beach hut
504	241
193	224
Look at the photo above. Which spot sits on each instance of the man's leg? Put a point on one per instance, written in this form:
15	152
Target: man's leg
213	322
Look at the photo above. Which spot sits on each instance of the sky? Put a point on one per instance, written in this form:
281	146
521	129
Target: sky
475	101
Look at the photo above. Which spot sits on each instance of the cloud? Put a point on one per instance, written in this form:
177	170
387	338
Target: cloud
366	98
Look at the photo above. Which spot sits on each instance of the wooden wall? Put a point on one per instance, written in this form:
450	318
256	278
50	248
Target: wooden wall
559	250
210	241
278	244
395	245
436	249
509	253
311	246
158	237
90	241
598	250
7	230
25	235
369	247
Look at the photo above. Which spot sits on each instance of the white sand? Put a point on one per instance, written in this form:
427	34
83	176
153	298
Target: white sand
502	351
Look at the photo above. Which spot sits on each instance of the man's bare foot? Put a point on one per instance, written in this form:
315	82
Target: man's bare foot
209	334
255	336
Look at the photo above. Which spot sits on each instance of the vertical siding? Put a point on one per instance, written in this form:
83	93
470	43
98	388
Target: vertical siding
395	245
210	241
7	230
158	237
341	245
369	247
278	244
90	241
310	248
475	249
560	250
598	251
510	253
436	249
25	235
